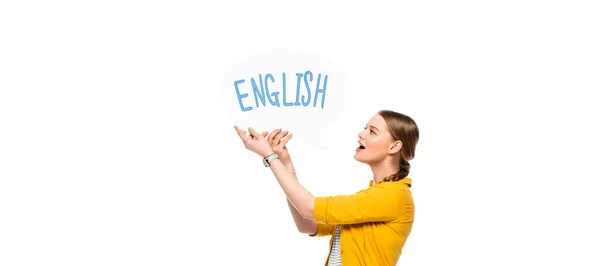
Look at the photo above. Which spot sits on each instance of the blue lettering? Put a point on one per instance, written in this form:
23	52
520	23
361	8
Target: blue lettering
297	103
320	90
240	96
261	92
274	94
307	88
285	103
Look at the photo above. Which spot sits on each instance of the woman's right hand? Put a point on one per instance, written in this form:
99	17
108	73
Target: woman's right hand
278	139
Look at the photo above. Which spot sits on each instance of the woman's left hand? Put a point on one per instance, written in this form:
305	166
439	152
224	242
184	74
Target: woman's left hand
255	142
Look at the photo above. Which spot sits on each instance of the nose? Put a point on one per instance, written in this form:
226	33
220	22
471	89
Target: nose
360	133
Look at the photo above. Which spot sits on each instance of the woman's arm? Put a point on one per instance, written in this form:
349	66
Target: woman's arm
383	202
278	139
323	210
306	226
297	195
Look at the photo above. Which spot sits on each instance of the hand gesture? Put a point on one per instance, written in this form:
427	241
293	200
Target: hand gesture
255	142
278	139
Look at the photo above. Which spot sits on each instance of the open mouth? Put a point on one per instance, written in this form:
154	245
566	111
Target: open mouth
360	146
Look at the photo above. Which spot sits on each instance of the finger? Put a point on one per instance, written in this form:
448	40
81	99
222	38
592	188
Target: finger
253	133
280	136
285	141
241	133
264	134
273	134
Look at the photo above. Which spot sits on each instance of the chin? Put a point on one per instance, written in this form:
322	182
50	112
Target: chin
357	158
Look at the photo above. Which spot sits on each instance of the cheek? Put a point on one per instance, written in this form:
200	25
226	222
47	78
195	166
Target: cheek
378	148
381	150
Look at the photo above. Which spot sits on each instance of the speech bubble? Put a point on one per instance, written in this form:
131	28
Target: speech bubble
298	91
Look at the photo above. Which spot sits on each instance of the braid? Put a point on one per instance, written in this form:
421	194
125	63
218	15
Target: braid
401	174
404	168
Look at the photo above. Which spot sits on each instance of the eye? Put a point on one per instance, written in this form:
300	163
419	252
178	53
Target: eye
370	131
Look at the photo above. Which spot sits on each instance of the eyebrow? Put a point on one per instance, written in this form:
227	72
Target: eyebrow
373	127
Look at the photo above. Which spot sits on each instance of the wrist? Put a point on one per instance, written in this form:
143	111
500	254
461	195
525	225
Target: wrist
267	160
287	162
267	153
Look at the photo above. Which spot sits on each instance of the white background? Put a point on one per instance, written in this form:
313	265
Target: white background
107	110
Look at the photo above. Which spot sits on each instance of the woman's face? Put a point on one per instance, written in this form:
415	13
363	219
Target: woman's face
375	142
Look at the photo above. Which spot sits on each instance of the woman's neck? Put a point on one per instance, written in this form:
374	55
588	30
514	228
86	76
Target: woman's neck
383	170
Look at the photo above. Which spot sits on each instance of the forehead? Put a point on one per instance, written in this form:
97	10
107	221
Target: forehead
378	122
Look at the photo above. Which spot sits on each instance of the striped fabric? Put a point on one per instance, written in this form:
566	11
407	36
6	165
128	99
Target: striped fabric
335	258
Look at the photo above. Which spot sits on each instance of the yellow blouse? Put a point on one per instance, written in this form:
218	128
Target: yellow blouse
375	222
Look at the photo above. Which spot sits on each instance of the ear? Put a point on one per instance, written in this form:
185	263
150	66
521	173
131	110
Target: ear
395	147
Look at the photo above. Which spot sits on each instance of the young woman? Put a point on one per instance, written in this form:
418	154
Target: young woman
371	226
